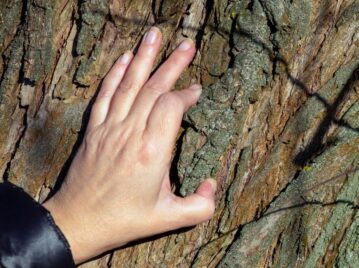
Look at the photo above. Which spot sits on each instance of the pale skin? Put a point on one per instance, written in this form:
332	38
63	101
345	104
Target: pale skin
118	187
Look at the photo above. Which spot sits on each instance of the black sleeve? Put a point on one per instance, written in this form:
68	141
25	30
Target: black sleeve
28	235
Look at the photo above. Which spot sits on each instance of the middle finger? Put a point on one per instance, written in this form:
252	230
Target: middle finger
136	75
162	80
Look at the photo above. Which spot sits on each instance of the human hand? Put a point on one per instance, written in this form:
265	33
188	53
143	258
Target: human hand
118	187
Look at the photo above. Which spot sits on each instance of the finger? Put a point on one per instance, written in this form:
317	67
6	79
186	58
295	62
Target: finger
136	75
108	87
163	80
165	119
193	209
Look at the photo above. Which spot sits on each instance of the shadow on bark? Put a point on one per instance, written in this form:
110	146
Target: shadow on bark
317	141
63	172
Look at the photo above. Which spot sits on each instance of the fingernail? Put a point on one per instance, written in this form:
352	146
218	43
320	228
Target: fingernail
196	88
185	45
150	36
125	58
213	183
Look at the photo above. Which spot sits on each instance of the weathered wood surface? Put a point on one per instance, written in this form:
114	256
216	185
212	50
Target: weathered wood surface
277	123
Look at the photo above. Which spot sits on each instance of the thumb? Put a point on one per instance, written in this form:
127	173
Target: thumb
196	208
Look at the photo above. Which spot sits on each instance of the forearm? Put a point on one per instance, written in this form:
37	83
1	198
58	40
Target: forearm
28	235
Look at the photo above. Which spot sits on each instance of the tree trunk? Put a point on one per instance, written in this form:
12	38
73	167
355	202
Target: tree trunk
277	123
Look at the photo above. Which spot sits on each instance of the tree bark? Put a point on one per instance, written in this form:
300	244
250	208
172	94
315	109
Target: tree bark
277	123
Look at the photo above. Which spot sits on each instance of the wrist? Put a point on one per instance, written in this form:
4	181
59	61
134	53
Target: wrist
64	221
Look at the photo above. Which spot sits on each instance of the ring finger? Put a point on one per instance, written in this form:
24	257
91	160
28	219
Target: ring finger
136	75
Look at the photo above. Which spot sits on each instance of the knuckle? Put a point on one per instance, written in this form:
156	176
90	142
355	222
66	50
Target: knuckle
91	136
211	207
176	60
169	100
120	140
207	211
126	87
193	95
106	89
154	89
147	152
108	81
91	139
104	139
116	138
104	94
98	105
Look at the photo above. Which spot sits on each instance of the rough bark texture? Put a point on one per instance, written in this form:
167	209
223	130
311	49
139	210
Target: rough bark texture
277	123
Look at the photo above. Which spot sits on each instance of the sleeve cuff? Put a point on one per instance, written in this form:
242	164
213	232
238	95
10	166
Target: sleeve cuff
29	236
